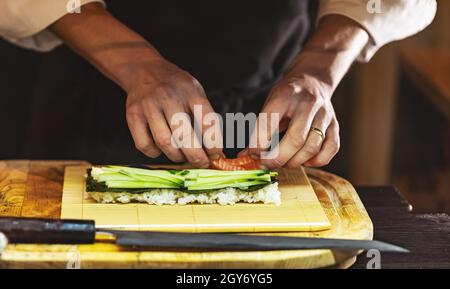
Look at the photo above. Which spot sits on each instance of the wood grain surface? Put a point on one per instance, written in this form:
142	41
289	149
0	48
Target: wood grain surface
430	71
33	189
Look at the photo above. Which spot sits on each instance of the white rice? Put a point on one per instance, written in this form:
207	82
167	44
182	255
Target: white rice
229	196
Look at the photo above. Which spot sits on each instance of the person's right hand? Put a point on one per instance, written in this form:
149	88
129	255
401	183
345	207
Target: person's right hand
158	91
156	88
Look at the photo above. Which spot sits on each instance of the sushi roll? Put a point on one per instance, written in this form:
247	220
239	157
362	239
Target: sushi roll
118	184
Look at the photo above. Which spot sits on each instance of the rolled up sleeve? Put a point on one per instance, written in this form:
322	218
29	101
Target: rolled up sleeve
25	22
397	19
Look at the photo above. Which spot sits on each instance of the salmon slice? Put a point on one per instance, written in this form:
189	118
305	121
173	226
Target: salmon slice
238	164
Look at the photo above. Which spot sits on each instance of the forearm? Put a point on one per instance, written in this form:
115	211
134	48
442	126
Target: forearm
331	51
105	42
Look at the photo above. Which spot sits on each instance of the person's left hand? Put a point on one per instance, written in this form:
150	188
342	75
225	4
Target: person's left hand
302	99
303	102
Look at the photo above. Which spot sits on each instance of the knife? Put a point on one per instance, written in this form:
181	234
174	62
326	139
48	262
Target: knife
55	231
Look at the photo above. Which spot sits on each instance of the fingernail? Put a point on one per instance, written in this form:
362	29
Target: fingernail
243	153
254	156
263	167
214	157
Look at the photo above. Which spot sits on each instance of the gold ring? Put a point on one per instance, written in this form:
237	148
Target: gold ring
319	132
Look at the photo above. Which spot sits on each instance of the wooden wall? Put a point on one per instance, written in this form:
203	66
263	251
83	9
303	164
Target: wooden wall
373	100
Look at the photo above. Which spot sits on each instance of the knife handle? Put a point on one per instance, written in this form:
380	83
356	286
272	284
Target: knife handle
47	231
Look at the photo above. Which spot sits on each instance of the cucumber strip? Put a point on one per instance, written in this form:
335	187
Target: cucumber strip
150	178
139	185
113	177
243	185
168	174
97	171
123	176
231	179
205	173
215	185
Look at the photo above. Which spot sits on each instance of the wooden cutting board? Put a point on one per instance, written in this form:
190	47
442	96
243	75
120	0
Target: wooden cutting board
34	189
300	210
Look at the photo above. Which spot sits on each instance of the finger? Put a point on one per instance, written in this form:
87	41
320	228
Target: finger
162	133
330	147
243	153
256	152
314	141
137	123
268	122
209	124
185	135
296	134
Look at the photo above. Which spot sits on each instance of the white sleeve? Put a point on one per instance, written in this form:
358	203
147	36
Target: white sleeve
25	22
384	20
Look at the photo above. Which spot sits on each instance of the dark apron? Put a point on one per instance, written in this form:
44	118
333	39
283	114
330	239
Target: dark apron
236	49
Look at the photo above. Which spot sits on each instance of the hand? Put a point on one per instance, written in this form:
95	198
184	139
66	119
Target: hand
302	99
161	90
156	88
303	102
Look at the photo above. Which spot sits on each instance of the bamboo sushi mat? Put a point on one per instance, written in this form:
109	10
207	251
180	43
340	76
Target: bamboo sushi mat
300	210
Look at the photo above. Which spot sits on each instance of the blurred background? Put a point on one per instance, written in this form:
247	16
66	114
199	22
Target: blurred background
395	118
394	114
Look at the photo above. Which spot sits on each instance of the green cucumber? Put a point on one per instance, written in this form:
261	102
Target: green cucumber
128	178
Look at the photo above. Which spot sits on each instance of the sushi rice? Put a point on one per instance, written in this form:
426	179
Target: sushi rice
228	196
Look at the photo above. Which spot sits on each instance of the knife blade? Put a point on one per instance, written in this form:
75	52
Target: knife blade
244	242
51	231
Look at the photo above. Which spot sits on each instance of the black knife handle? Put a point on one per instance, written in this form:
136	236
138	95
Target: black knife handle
47	231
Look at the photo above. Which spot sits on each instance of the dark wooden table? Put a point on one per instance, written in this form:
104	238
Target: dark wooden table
427	236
